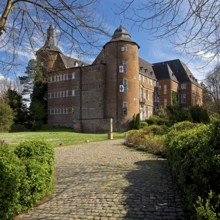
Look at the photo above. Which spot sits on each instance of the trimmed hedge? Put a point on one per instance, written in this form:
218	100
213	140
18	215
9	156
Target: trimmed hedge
194	157
11	174
26	175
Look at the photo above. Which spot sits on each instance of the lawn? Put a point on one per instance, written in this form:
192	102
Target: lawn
56	138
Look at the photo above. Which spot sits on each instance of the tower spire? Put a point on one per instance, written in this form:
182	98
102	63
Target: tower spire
51	41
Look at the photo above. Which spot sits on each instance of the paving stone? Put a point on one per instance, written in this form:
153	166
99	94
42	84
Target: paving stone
107	180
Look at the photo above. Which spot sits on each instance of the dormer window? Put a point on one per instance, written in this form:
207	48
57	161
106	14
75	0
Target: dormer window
76	64
141	68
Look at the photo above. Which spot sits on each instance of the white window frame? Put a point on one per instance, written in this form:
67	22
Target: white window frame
73	75
165	89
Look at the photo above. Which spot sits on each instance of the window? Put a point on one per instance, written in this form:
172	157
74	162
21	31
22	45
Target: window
125	84
141	92
165	103
125	108
124	64
165	89
73	75
146	95
66	93
123	49
63	77
73	92
54	78
183	98
183	86
67	76
76	63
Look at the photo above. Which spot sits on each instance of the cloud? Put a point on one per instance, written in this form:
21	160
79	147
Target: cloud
208	56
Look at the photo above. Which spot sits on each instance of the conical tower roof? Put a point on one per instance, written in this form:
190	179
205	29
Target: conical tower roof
51	41
121	34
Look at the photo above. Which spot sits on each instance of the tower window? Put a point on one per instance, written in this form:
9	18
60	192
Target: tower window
125	84
165	89
125	108
124	64
123	49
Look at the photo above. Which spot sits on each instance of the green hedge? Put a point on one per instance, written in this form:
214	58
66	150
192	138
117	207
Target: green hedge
145	140
194	156
26	175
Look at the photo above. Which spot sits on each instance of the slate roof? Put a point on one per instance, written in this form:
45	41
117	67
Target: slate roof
181	71
51	41
121	34
164	72
146	69
71	62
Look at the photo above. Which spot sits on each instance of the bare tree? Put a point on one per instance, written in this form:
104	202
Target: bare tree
192	24
7	84
213	87
24	22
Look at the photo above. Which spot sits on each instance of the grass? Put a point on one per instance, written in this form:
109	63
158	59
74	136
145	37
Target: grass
63	137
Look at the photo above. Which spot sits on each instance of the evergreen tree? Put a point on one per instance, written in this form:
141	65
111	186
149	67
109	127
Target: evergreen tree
38	106
6	117
27	81
14	100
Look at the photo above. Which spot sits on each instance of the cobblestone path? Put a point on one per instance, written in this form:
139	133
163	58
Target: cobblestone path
107	180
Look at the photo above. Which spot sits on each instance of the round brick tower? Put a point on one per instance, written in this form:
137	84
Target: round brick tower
122	78
47	55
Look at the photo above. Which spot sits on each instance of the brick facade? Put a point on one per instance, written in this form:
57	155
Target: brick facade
117	85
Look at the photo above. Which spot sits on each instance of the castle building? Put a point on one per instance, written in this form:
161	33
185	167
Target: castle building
118	84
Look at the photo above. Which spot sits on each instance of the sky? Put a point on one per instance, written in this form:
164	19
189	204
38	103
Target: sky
151	49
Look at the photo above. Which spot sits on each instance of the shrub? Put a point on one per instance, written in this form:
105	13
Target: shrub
6	117
135	123
26	176
145	140
195	163
37	125
11	173
143	124
199	114
156	120
157	129
178	114
18	128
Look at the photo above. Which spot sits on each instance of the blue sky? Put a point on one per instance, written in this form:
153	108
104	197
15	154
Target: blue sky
151	49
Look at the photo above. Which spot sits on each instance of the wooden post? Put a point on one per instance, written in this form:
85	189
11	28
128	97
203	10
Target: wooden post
110	134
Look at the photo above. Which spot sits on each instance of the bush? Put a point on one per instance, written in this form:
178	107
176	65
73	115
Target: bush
26	176
135	123
6	117
18	128
145	140
178	114
199	114
193	155
11	173
37	126
157	129
143	124
156	120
